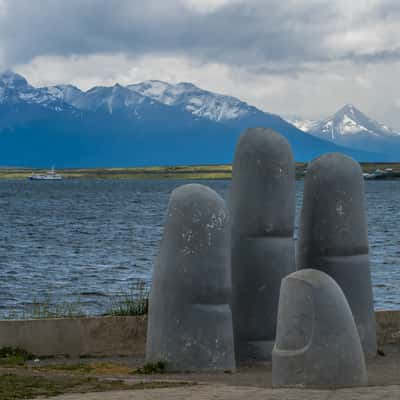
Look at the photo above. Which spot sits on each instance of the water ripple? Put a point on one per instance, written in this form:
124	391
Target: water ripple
94	238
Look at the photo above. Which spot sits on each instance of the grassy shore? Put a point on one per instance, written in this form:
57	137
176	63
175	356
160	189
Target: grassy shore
167	172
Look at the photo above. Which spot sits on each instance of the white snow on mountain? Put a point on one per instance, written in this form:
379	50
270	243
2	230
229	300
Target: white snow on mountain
347	122
64	93
108	98
14	88
154	89
304	125
11	80
43	96
197	101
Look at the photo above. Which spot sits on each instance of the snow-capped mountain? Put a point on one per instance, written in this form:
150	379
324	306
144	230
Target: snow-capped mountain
63	93
108	99
15	89
199	102
149	123
350	121
350	127
12	81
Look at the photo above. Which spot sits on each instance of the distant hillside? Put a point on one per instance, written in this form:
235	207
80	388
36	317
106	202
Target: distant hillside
152	123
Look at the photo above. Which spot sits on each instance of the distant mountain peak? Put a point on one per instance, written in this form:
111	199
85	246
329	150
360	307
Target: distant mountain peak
9	77
119	86
347	121
188	85
351	111
349	107
199	102
12	80
351	127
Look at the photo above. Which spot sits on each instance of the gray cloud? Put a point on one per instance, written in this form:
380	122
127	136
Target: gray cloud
386	9
246	32
382	56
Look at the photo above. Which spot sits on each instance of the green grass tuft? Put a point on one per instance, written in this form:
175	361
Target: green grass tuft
135	302
6	352
151	368
14	356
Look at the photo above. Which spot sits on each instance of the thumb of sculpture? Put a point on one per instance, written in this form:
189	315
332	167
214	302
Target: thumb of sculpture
190	320
317	343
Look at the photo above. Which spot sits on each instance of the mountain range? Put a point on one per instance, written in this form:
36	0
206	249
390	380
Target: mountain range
149	123
351	128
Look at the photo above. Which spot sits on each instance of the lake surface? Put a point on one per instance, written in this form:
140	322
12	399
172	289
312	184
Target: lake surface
91	240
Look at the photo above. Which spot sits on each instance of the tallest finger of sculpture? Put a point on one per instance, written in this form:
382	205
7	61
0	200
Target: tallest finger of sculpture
262	248
333	235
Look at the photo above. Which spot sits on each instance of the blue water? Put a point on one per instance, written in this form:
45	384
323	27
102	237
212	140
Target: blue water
90	240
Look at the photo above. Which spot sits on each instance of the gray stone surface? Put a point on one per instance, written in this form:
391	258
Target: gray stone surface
95	336
262	203
317	342
190	319
333	235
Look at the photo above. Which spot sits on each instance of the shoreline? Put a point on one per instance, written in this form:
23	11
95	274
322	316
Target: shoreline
195	172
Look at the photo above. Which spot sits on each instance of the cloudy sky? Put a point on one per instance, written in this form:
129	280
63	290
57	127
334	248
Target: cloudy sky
302	57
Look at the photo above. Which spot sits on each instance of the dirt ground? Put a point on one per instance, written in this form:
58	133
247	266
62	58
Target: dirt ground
382	371
251	383
223	392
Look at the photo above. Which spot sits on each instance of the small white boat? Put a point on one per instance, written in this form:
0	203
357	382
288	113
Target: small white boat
369	176
48	176
377	174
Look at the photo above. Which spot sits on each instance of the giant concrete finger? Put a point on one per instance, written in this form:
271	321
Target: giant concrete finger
333	235
262	208
190	320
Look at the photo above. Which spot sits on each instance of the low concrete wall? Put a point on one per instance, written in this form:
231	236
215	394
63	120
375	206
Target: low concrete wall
77	336
111	336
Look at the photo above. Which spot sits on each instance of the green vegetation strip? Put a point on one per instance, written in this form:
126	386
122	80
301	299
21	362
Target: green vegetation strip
223	171
104	368
167	172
